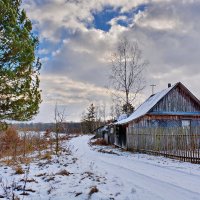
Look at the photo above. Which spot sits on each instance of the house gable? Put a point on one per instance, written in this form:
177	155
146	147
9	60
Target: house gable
176	100
179	100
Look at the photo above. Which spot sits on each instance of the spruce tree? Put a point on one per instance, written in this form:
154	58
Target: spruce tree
88	120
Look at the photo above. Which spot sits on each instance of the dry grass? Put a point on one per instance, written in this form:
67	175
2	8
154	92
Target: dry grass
25	160
29	180
47	156
9	136
20	160
107	151
40	175
17	148
9	142
24	147
9	161
63	173
93	190
19	170
100	142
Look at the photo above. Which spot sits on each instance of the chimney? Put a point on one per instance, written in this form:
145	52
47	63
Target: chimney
169	85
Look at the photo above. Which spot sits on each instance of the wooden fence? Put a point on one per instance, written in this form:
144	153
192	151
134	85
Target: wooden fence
179	143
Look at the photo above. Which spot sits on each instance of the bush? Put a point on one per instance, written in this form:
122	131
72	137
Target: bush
47	156
99	141
93	190
10	137
17	147
63	173
9	143
19	170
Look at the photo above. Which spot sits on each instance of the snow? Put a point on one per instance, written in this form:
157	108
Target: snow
116	174
146	106
121	117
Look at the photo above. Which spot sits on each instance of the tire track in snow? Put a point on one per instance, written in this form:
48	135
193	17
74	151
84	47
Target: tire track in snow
156	182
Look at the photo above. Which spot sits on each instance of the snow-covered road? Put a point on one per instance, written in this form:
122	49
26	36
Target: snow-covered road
129	177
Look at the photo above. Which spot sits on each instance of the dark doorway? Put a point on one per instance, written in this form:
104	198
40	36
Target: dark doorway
121	136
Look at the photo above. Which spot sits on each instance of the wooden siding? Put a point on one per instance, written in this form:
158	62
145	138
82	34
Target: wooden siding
177	100
164	121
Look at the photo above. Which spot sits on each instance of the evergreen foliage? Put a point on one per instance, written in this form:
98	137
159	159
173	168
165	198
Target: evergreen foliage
127	108
19	67
88	121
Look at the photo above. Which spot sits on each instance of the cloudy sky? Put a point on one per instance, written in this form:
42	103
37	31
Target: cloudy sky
77	38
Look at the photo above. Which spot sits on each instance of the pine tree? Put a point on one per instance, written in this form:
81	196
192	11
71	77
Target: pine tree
19	67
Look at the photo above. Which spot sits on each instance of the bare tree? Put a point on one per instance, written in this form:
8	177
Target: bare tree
59	117
103	112
127	73
115	110
100	113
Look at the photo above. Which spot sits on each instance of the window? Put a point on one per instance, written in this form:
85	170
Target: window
186	123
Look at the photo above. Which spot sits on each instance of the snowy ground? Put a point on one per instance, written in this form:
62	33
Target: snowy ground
95	174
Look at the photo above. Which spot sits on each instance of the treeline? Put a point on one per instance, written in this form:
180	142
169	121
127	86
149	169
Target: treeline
93	117
67	127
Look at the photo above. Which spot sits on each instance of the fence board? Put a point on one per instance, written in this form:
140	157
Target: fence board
179	143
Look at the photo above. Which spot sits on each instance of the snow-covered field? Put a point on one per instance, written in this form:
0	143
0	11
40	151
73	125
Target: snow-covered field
88	172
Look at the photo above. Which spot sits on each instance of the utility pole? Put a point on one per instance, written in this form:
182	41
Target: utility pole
153	88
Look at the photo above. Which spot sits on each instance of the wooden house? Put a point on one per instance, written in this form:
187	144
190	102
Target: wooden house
167	113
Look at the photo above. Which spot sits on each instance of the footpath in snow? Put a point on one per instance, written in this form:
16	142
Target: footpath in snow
140	176
85	172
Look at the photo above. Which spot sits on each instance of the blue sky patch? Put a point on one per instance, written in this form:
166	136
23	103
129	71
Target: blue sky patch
123	22
102	18
136	10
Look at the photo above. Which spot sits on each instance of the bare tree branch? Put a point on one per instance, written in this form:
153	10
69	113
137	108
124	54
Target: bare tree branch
127	72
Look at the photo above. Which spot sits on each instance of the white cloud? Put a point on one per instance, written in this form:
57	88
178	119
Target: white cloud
43	51
44	60
159	24
55	53
65	90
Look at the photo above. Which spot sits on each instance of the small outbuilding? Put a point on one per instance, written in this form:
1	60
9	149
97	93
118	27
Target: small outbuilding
106	132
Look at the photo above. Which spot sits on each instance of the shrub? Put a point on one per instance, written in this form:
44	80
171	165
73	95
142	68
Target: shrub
47	156
10	137
63	173
99	141
93	190
19	170
9	143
